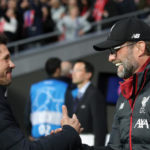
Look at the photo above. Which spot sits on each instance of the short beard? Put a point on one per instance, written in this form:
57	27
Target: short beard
129	67
126	73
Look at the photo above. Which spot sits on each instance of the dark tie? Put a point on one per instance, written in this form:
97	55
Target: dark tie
76	101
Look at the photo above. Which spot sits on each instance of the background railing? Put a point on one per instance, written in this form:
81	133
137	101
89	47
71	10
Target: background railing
17	46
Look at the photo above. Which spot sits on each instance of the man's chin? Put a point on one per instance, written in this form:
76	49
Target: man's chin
120	74
7	83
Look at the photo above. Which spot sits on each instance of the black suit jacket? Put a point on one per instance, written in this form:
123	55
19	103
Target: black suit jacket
91	112
12	138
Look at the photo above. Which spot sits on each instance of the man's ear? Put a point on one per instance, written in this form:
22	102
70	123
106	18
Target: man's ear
141	45
89	75
58	72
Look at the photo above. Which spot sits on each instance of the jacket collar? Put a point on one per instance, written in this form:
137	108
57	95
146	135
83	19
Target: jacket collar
131	86
3	91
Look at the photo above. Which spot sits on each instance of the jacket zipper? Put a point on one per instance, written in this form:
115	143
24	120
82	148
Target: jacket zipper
132	106
130	131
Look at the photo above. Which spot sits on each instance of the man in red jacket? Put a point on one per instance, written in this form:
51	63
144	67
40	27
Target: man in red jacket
129	45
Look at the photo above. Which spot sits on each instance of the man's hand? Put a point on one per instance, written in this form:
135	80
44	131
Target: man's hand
73	122
56	131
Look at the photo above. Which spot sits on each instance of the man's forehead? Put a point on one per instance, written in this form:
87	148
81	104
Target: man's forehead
4	49
80	64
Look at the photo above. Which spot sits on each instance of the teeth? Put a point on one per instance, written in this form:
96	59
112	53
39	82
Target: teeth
118	64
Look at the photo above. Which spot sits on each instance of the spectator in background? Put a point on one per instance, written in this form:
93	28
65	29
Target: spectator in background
87	102
66	71
24	7
47	98
72	25
48	24
64	2
13	4
86	8
3	7
98	9
66	68
125	6
143	4
57	10
32	16
110	10
8	24
43	2
72	3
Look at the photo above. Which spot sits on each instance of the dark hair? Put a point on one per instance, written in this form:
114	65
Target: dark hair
3	39
148	47
51	65
88	66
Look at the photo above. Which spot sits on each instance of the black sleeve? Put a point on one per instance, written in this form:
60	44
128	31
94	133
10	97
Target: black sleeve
114	141
69	102
13	139
98	110
27	122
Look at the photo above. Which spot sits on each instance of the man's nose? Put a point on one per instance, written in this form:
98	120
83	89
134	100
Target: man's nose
12	65
111	57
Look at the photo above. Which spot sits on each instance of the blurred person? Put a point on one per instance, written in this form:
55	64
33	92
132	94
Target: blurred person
12	4
48	24
87	103
73	25
66	68
125	6
22	6
66	72
3	7
44	2
72	3
32	18
27	20
8	24
47	98
86	8
57	10
66	139
110	10
98	9
64	2
140	4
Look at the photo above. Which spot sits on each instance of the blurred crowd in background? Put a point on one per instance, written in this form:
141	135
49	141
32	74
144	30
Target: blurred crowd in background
20	19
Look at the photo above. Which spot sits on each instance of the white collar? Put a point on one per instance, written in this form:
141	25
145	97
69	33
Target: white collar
83	89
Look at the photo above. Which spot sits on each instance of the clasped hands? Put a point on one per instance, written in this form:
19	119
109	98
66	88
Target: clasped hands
66	120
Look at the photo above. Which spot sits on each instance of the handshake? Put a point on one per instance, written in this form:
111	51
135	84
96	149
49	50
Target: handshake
66	120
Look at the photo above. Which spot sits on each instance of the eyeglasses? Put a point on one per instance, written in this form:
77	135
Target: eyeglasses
117	48
78	70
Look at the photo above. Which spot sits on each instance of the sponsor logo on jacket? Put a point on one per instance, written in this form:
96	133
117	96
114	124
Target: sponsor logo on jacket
144	102
142	123
121	106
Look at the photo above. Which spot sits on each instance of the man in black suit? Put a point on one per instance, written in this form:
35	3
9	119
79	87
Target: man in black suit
11	136
87	102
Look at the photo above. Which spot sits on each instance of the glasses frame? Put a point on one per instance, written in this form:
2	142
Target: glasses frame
113	51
